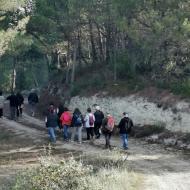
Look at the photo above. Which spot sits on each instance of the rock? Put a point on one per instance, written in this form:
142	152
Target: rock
188	147
179	143
183	146
153	138
170	142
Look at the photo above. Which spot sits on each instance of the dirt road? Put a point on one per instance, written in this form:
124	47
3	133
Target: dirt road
162	169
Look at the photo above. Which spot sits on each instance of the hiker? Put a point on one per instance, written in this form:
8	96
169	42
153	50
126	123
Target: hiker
13	105
2	100
33	100
108	124
77	124
99	116
60	111
125	127
20	104
66	119
51	121
89	124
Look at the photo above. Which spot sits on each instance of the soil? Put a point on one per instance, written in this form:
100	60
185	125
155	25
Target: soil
24	140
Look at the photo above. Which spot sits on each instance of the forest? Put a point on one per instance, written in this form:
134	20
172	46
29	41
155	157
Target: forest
78	43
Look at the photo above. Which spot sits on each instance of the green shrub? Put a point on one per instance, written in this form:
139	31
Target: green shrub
181	88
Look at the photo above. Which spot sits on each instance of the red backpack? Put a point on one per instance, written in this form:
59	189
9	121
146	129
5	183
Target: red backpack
67	117
110	123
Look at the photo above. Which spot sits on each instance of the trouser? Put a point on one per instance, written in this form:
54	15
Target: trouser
19	111
90	133
124	138
32	108
66	132
97	127
76	131
1	112
13	113
51	132
107	139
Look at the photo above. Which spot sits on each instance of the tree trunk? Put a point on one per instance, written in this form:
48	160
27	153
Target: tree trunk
94	54
13	83
73	66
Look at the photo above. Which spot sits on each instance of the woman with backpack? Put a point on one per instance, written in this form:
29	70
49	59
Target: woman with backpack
66	119
89	124
76	127
108	124
51	122
125	127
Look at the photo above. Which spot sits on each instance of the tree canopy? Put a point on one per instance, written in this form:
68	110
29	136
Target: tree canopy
125	39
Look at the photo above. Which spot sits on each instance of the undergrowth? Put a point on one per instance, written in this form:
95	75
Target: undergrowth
98	172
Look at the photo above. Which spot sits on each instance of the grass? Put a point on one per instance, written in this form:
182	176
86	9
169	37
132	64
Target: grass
95	172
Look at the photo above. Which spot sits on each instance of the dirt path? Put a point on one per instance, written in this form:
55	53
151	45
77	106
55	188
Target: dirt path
162	169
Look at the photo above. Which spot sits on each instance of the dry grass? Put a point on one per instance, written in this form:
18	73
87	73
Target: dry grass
94	172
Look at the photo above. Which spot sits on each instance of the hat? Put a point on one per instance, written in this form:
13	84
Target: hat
97	107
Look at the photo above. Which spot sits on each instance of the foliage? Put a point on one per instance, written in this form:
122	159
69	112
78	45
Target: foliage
120	35
68	174
71	174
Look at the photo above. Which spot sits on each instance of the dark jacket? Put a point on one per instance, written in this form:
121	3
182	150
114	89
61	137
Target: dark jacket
13	100
124	125
20	99
33	98
52	120
99	116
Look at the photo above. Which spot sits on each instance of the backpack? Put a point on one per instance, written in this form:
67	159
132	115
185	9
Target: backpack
128	126
91	120
110	124
78	120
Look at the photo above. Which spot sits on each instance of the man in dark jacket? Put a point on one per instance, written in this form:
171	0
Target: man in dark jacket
13	105
33	100
125	126
99	116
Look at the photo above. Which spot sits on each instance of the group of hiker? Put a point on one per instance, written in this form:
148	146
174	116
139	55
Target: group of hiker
16	103
72	124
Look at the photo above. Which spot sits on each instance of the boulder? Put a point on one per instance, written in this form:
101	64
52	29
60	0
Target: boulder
170	142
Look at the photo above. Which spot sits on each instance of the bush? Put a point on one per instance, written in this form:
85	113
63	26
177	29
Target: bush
181	88
148	130
67	174
109	171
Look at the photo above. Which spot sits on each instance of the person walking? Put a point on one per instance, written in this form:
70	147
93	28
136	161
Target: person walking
2	100
66	119
32	101
99	116
89	124
60	111
77	125
51	121
108	125
13	105
125	127
20	104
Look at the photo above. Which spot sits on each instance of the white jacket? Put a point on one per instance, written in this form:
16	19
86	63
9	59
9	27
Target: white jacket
87	118
2	100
